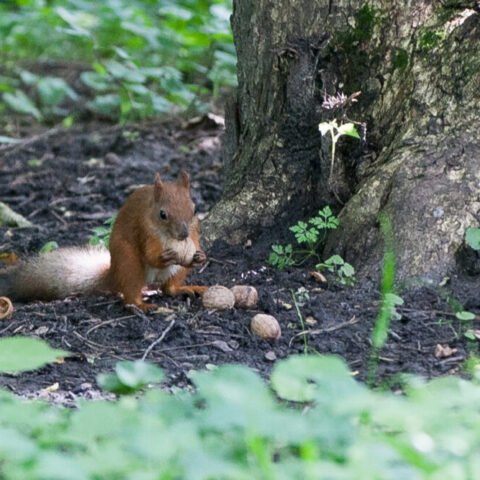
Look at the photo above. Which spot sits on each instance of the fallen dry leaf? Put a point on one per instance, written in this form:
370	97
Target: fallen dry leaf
318	277
270	356
444	351
41	330
51	388
286	306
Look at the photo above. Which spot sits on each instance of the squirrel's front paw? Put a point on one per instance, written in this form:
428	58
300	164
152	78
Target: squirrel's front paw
199	258
168	257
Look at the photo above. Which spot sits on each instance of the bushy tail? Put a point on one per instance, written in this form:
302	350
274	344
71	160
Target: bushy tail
57	274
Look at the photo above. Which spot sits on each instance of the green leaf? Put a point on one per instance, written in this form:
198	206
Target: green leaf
128	73
16	446
465	316
79	21
28	78
301	378
34	354
326	211
470	334
106	104
335	260
21	103
57	466
130	377
472	238
138	372
393	299
96	81
348	270
278	249
176	12
49	247
53	91
348	129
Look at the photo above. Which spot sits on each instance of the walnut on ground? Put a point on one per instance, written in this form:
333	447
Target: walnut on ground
265	326
246	296
218	298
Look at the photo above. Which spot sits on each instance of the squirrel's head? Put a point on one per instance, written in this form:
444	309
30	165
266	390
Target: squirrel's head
174	210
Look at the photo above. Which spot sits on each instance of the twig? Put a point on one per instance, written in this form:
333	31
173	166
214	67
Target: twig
27	141
158	340
352	321
58	217
204	266
94	345
458	358
107	322
221	262
138	312
10	325
422	310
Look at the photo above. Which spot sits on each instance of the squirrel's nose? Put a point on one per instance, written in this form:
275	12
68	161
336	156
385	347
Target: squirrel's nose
183	233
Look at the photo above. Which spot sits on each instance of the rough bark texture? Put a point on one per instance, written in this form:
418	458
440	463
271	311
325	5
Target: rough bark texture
418	68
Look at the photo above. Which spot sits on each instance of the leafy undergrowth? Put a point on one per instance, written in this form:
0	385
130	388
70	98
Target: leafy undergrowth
313	421
64	59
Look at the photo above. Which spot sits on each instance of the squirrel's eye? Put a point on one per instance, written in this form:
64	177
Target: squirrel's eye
163	214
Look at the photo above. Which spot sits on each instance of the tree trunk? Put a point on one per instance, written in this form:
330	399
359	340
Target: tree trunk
418	70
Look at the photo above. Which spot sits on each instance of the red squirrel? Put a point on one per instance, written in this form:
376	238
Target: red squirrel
155	223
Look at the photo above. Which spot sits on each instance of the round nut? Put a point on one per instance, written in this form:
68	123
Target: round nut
184	249
218	298
6	308
266	326
245	296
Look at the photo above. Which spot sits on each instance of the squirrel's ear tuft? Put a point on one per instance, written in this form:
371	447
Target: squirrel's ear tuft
157	186
184	179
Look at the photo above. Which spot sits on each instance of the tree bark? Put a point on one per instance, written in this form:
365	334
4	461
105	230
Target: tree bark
418	70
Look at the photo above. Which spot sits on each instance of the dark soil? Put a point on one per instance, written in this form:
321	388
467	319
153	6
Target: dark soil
67	182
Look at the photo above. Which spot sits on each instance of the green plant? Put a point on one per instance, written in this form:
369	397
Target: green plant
130	377
472	237
336	131
310	235
20	354
465	315
281	256
430	39
101	235
343	271
472	366
389	300
49	247
118	59
313	420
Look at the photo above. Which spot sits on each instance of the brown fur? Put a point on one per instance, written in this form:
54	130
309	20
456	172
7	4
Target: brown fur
136	249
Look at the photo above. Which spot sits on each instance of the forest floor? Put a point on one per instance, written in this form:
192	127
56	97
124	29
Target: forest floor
69	181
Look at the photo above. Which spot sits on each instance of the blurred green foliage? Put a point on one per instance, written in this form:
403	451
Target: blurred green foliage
119	59
312	421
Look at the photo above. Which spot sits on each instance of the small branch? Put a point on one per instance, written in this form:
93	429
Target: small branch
352	321
158	340
221	262
107	322
28	141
